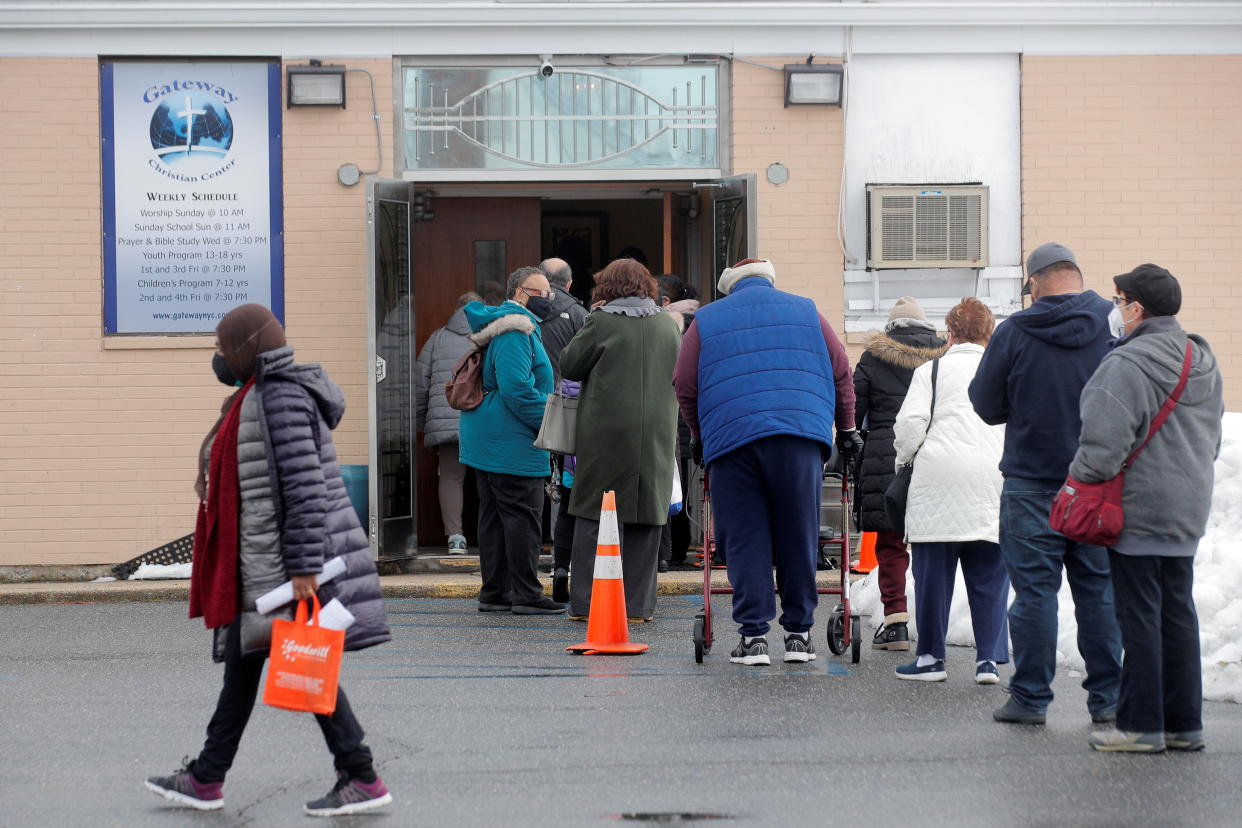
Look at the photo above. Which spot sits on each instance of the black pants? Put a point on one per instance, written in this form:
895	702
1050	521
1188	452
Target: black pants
675	544
563	532
1161	682
510	512
241	687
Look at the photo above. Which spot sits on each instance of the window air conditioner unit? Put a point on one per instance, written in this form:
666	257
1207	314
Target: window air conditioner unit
927	226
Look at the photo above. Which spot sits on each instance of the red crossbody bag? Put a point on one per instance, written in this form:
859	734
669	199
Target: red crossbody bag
1092	512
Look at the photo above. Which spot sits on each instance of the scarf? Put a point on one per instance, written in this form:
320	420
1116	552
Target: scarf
636	306
214	575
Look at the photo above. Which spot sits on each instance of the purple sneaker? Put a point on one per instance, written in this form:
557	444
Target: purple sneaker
350	796
183	788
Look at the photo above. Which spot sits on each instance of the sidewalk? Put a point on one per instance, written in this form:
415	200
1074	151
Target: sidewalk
421	585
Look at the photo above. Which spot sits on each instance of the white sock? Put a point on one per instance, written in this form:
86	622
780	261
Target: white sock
984	661
926	659
750	639
805	636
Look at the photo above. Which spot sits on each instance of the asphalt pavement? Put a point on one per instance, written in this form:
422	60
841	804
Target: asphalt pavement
485	720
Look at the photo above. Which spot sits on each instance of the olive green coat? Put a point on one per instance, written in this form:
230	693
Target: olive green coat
627	414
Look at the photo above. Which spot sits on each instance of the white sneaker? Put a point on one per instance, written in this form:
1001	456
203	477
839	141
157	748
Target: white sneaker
799	649
457	545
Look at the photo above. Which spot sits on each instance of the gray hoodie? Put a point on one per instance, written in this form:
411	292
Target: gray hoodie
1168	490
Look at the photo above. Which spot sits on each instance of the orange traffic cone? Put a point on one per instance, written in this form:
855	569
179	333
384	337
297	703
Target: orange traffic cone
607	630
866	554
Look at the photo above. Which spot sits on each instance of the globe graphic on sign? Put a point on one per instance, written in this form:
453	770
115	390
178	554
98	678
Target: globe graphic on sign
191	132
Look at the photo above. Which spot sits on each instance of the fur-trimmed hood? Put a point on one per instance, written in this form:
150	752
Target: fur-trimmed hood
905	349
489	322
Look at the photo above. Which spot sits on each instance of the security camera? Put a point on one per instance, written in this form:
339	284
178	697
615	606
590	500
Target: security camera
545	66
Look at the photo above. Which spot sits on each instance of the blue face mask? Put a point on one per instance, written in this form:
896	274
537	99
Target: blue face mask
223	372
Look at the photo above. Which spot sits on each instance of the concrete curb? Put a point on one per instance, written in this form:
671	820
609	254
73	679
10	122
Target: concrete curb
393	586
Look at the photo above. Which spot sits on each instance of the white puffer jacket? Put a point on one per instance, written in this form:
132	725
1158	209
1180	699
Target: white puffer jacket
955	490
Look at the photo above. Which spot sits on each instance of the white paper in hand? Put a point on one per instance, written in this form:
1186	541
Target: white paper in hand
283	594
334	616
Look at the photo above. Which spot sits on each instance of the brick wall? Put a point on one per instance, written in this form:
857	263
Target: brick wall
798	219
97	445
1134	159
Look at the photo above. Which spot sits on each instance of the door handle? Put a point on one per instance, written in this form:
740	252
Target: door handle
381	369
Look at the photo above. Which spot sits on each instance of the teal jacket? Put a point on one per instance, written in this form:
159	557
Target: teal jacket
499	435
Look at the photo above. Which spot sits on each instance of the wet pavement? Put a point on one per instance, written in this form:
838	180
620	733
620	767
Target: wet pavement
484	720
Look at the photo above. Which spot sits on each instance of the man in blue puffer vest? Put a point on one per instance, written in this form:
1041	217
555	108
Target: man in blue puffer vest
761	379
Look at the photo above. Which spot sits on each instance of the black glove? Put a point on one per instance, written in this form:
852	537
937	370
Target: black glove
696	452
849	446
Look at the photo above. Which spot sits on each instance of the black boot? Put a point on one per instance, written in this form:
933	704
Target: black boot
891	637
560	586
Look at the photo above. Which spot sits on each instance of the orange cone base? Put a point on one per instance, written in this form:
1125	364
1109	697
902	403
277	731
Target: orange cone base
621	648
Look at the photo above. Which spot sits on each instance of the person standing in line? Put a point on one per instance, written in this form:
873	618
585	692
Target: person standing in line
677	299
438	421
1030	379
627	431
952	510
762	379
881	380
1167	497
497	441
273	508
561	316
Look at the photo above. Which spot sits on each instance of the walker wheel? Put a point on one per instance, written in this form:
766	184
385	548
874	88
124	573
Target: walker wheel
855	639
699	648
836	631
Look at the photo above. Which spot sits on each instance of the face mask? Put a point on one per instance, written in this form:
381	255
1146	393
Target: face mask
223	372
1116	323
539	306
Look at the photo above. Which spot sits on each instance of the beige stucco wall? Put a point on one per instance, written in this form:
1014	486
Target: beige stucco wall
1134	159
97	444
797	219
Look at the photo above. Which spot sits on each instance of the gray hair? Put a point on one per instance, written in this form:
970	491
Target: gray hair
557	276
517	278
468	297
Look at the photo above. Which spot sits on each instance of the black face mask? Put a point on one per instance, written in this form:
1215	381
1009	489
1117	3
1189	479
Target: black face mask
223	372
539	306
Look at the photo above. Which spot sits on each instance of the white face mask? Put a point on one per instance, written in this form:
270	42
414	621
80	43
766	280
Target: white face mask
1116	323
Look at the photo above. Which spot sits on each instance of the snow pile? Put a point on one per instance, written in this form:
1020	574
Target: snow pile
160	572
1218	587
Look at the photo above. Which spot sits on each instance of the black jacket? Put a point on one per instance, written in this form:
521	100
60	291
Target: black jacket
1031	379
560	324
881	381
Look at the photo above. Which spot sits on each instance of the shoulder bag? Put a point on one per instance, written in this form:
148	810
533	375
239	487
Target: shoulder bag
898	491
1093	512
558	431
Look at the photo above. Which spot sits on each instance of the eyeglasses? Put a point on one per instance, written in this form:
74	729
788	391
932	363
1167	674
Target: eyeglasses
1120	301
546	294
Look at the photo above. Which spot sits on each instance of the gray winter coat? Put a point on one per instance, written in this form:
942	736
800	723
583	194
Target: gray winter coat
432	414
558	326
1168	490
285	445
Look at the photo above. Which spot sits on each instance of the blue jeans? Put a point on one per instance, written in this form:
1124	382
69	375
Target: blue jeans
1034	556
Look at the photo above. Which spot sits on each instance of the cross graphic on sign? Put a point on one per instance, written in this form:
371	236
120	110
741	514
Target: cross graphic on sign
188	113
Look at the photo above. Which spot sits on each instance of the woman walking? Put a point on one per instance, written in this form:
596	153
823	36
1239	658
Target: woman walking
274	509
438	421
880	384
1167	497
627	430
953	507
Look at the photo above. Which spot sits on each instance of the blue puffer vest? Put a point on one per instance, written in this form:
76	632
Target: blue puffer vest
764	369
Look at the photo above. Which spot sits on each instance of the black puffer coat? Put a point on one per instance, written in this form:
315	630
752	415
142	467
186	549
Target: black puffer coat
315	519
881	381
564	318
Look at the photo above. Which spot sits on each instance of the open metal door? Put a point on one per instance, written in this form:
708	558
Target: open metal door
390	295
735	234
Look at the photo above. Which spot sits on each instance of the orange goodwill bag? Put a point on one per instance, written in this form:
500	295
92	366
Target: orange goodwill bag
305	664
